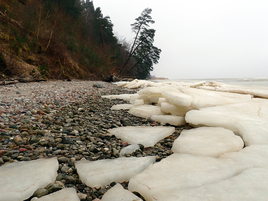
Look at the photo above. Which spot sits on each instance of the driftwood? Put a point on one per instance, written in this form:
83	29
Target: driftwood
8	82
23	80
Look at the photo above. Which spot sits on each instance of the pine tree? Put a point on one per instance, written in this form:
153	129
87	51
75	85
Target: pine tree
142	54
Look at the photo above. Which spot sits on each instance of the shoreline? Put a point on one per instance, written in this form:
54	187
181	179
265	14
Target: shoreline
68	120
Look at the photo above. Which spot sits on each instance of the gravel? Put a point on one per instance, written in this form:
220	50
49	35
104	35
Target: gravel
68	120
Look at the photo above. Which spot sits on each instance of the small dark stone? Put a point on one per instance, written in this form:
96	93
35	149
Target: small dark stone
14	156
60	146
67	140
141	147
5	158
11	152
40	192
60	177
14	126
25	159
112	184
53	187
34	139
125	122
63	160
70	180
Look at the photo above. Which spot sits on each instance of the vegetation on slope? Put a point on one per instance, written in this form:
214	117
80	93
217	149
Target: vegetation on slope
59	39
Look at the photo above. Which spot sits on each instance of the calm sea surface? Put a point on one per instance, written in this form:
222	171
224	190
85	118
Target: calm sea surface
261	83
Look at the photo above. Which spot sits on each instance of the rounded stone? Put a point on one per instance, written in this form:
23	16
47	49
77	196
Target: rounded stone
40	192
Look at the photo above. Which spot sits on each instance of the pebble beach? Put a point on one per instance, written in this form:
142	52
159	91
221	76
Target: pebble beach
68	120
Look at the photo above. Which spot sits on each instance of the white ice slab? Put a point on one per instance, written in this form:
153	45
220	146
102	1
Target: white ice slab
121	107
125	97
145	135
102	172
249	120
169	108
249	157
203	98
177	172
207	141
118	193
136	84
139	102
66	194
129	149
250	185
169	119
19	180
178	98
145	111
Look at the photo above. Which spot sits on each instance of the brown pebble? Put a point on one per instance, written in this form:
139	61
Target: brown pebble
2	152
22	149
17	139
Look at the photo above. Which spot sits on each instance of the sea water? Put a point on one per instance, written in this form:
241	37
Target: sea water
261	83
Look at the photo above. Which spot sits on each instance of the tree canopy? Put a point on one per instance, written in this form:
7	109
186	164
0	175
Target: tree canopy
72	38
142	54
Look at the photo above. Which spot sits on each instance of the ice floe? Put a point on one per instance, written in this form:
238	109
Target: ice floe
169	119
250	185
19	180
145	135
66	194
165	180
102	172
145	111
207	141
129	149
122	107
118	193
245	119
210	162
125	97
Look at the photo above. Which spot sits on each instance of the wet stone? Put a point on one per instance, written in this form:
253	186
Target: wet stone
34	139
63	160
40	192
67	140
53	187
14	126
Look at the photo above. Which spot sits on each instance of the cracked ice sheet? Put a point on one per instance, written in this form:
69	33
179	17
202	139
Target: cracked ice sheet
125	97
249	120
145	111
66	194
207	141
250	185
118	193
203	98
169	119
145	135
102	172
19	180
177	172
122	107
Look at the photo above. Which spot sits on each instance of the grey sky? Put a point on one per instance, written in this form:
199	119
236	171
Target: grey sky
200	38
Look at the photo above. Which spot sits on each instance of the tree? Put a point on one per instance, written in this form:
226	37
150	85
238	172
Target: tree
103	29
142	54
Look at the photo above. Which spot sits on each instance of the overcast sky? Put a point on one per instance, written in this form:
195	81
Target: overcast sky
200	38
